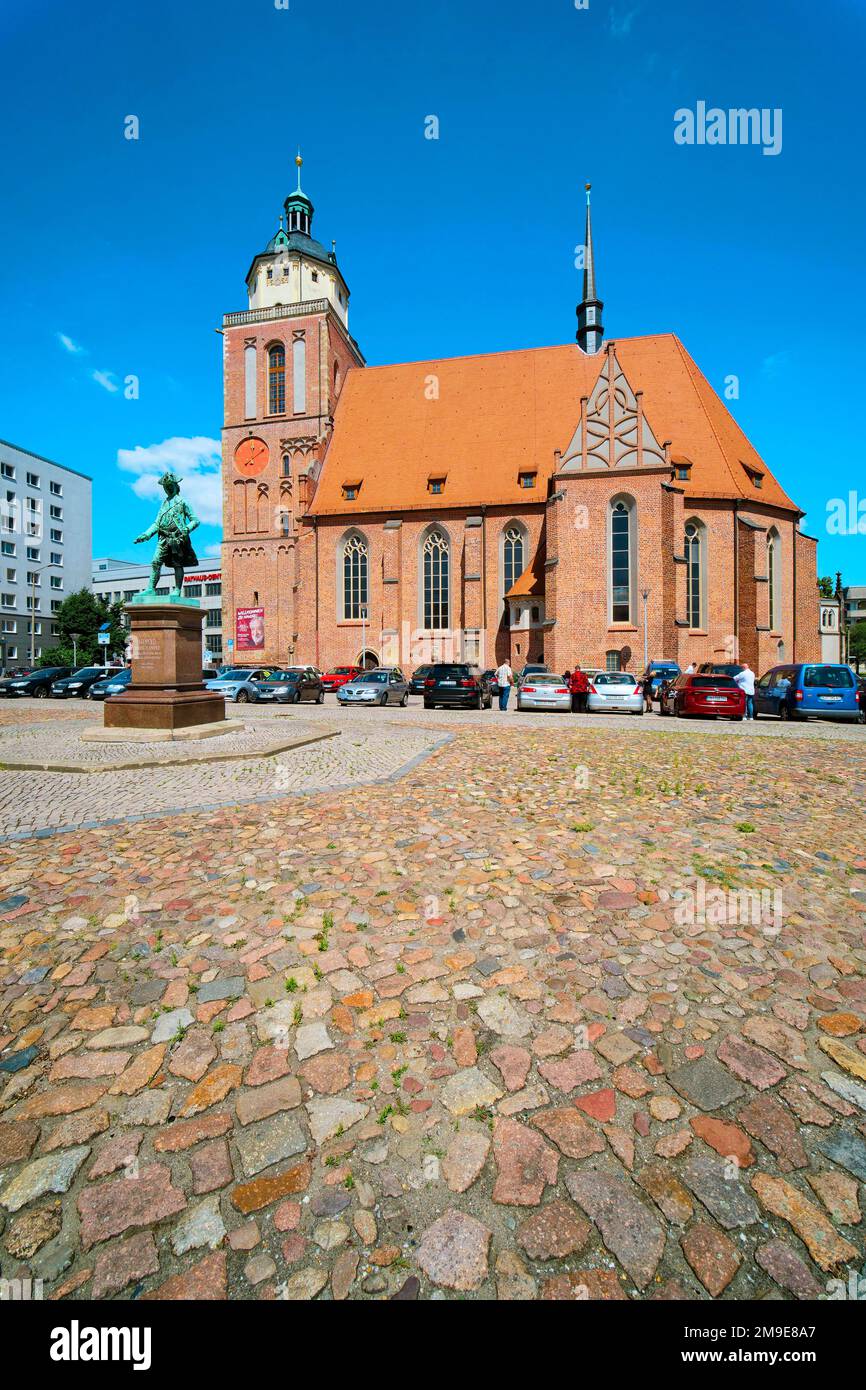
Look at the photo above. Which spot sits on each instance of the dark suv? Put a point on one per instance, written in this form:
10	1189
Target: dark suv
79	682
37	683
457	683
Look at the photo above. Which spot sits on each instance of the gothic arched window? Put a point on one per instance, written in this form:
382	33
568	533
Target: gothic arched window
695	552
276	379
435	582
622	558
355	571
513	552
774	578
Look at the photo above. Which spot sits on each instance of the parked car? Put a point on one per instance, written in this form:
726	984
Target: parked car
36	683
545	690
659	673
340	675
115	685
720	668
291	687
237	683
386	685
79	682
695	694
819	690
492	681
533	668
417	679
614	692
457	683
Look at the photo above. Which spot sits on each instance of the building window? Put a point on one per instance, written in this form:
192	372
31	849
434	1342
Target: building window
57	537
695	545
435	582
350	491
192	590
33	552
299	375
8	547
512	556
355	571
56	513
56	490
57	582
11	576
683	473
436	485
621	560
276	379
527	479
774	578
612	661
214	589
7	600
287	466
7	471
33	480
213	617
56	557
249	382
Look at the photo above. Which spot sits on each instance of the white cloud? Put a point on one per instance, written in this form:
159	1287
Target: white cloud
620	24
70	345
213	552
106	380
196	461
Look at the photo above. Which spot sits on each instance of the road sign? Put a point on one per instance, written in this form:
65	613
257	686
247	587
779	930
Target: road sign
230	641
104	639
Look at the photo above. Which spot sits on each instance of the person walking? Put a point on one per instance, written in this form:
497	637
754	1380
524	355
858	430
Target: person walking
505	680
745	679
578	685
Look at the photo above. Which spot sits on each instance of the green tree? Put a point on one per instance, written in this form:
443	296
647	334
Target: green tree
857	643
83	613
826	587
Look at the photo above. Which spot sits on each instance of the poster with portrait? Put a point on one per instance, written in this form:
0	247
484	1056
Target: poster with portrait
250	630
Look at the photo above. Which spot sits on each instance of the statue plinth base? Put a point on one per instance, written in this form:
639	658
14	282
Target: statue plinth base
166	690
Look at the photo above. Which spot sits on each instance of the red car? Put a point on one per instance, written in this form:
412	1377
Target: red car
340	675
698	693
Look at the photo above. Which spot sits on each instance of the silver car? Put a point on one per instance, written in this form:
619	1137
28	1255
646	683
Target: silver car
615	692
386	685
543	690
238	683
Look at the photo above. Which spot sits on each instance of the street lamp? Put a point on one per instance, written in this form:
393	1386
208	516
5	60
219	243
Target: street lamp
645	596
33	577
75	636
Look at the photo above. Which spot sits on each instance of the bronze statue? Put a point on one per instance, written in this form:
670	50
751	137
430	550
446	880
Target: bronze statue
174	522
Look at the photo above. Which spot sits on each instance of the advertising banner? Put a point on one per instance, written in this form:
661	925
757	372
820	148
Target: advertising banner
250	629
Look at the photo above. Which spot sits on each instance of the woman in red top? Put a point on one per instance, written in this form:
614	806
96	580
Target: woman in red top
578	685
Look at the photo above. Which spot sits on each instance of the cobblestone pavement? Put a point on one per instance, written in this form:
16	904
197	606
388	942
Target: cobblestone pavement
562	1012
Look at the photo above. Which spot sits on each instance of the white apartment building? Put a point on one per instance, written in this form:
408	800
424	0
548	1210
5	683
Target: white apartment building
118	581
45	549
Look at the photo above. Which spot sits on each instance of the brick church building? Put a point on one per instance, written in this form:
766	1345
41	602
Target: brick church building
561	503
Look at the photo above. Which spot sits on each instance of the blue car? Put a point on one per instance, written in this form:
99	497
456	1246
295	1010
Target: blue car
239	683
809	690
115	686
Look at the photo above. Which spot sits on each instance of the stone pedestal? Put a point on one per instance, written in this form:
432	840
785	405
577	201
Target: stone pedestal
166	690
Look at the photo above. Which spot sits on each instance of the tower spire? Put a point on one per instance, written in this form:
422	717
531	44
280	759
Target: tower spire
589	327
299	209
299	162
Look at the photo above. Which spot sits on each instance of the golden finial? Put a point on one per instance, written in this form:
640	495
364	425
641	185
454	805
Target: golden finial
298	159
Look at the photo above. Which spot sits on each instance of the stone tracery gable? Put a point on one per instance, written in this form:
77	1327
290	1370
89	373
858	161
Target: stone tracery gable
613	431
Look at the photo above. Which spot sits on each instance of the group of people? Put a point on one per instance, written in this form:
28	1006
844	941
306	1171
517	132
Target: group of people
578	684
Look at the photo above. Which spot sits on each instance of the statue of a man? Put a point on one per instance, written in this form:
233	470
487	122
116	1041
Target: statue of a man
174	522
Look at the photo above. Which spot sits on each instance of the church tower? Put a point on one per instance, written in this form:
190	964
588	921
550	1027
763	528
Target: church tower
285	358
589	330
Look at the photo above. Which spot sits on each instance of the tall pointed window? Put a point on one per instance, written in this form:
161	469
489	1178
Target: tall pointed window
774	578
435	557
512	556
355	570
621	562
695	545
276	379
299	375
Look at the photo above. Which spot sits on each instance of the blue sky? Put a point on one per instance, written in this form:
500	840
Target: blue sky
132	250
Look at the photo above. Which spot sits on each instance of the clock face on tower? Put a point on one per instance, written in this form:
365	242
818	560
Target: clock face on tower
251	457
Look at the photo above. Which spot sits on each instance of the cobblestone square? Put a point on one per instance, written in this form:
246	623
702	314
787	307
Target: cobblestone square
488	1007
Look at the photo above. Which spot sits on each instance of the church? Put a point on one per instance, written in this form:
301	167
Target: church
587	502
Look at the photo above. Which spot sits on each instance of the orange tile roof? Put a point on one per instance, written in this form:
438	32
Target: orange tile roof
531	582
501	414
